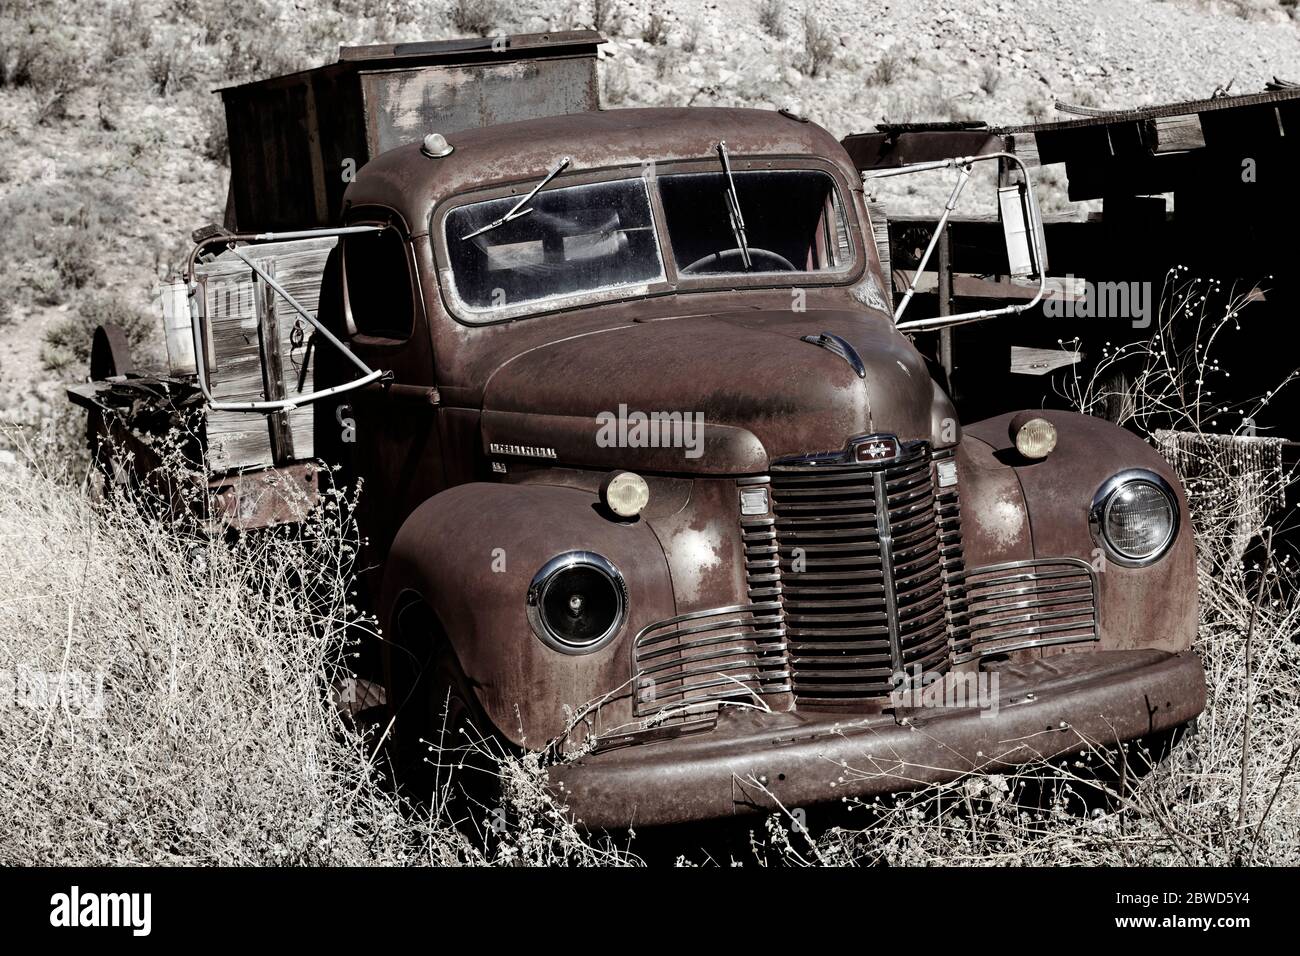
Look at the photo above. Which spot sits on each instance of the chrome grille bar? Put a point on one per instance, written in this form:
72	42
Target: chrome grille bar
862	576
1038	602
708	656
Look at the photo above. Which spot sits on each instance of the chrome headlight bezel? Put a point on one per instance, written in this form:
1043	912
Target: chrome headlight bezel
1106	497
546	577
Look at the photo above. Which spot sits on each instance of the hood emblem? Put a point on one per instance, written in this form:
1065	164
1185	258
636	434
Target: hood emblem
874	448
833	343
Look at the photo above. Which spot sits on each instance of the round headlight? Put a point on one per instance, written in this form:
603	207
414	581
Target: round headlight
625	494
577	602
1135	516
1035	437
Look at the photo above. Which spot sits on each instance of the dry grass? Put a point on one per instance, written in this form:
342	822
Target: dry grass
214	741
170	697
218	740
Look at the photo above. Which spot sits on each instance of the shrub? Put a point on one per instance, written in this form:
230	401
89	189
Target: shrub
18	56
655	31
608	17
67	342
477	17
990	78
72	247
691	39
771	17
885	71
818	45
216	137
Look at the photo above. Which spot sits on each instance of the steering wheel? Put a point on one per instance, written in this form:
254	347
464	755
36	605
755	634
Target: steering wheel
781	262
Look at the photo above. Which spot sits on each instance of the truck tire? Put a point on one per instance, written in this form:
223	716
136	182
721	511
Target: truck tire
462	745
445	745
110	353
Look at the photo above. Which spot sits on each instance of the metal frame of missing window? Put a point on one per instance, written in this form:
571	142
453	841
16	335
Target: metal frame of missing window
199	318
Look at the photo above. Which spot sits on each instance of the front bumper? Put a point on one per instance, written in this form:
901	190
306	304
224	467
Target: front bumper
754	761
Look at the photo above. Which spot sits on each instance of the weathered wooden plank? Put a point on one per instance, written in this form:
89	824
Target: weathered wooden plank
1030	361
880	230
233	292
1173	134
268	346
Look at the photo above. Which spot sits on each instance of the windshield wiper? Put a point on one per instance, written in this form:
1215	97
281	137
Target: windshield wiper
733	208
516	211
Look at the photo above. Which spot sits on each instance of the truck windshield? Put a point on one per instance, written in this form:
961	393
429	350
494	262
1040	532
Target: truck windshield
576	239
794	222
599	240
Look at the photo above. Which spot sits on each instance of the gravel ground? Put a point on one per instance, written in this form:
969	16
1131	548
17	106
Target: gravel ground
1002	62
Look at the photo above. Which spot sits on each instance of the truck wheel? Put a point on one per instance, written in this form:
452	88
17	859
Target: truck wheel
110	356
454	764
110	353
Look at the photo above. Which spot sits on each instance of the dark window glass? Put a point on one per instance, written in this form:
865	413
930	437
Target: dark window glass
576	239
794	222
379	296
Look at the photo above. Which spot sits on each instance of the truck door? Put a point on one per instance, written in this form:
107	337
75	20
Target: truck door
389	431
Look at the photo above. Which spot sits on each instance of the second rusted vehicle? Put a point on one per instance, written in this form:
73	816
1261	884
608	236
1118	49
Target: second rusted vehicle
651	478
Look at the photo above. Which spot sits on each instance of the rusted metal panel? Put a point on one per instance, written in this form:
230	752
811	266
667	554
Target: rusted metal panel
297	140
753	762
893	146
267	497
404	105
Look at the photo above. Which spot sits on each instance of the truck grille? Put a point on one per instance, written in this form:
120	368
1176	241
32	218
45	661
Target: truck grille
1033	603
859	557
856	574
697	659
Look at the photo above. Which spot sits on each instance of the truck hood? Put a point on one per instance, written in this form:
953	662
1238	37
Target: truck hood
717	394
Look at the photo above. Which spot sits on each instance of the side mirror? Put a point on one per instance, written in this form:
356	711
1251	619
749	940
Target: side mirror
1022	229
1022	225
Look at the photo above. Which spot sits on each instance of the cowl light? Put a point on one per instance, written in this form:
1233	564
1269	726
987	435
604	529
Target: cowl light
625	494
1034	436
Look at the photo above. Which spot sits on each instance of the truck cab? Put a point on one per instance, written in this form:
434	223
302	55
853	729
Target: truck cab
654	482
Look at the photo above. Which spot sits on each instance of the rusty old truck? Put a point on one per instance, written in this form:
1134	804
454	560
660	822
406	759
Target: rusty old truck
650	474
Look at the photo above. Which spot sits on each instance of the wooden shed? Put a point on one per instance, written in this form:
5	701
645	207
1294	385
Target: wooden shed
297	140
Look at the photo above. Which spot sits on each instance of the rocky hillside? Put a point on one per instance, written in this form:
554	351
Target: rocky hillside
114	148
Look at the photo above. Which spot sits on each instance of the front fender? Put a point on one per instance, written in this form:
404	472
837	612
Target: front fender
1015	509
470	553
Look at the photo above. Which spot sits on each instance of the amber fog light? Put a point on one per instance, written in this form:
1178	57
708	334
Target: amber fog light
1035	437
624	493
1134	516
577	602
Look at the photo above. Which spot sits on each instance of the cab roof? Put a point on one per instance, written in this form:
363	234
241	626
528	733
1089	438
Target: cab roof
412	183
